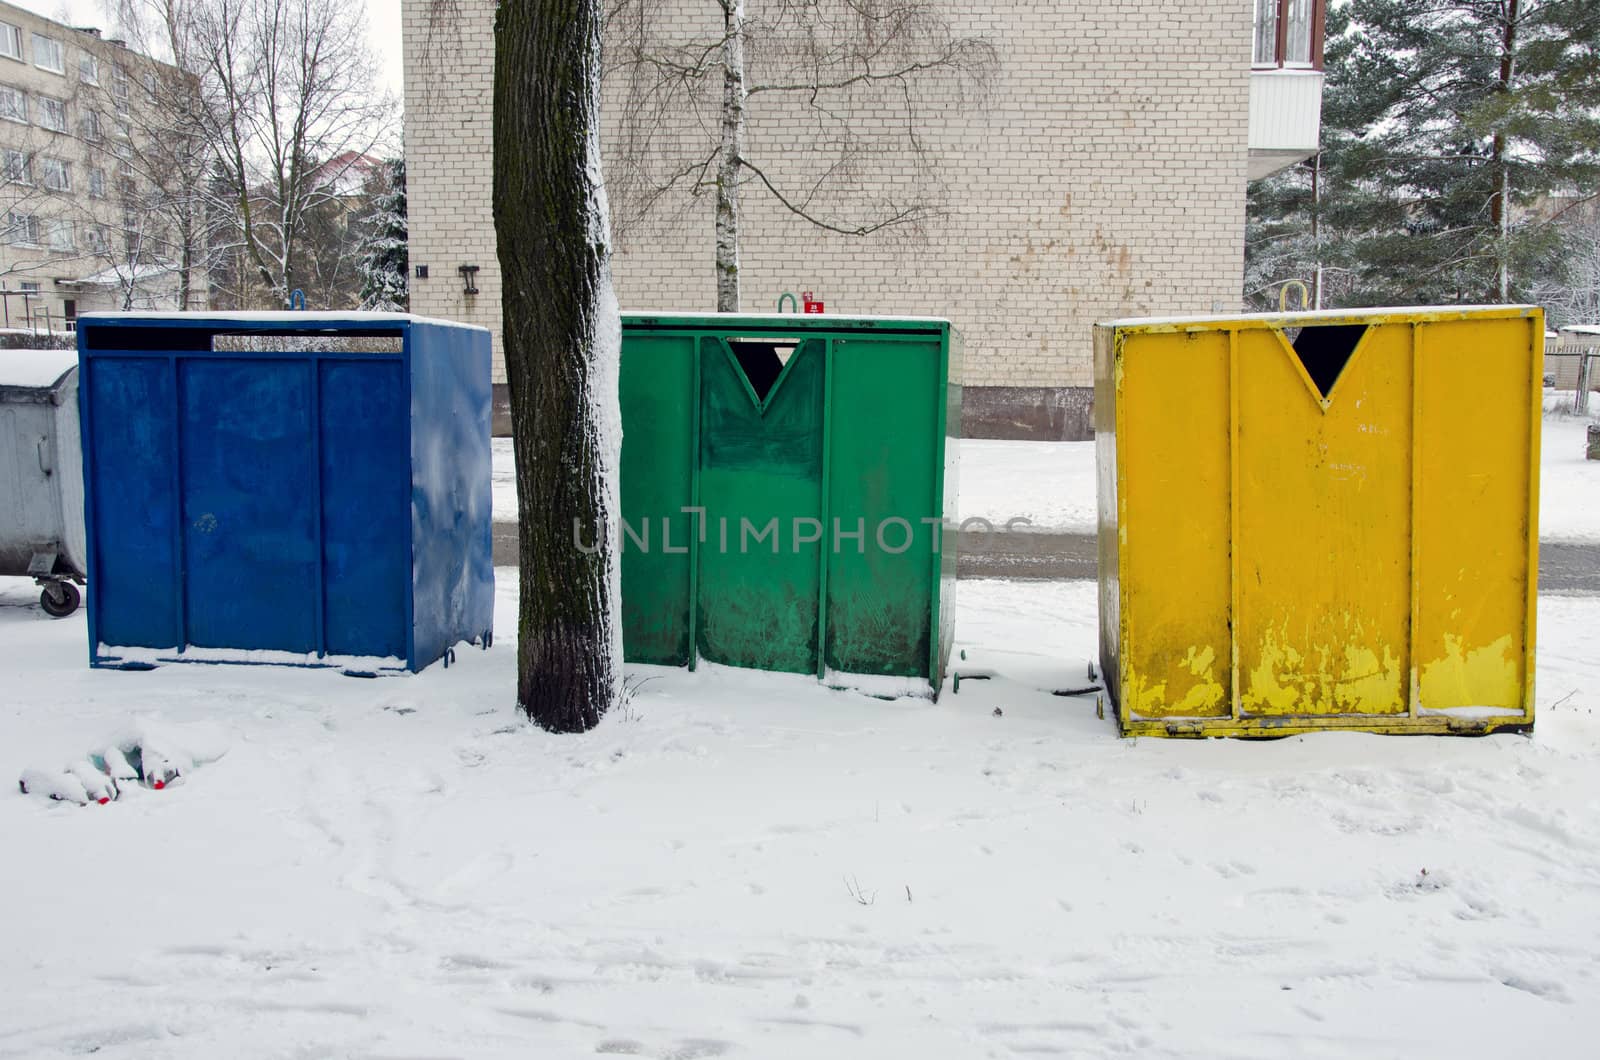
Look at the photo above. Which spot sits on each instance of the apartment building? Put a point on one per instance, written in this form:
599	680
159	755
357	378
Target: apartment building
1102	174
80	135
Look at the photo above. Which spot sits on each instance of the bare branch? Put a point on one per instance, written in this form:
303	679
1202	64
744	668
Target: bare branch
908	215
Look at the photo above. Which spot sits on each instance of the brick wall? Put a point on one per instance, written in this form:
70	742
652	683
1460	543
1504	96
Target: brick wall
449	134
1102	175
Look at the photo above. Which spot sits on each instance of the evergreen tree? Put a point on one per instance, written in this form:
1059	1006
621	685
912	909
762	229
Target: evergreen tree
1279	236
385	264
1442	124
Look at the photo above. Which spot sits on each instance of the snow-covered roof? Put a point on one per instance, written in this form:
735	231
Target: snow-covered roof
1581	329
35	368
1319	315
113	277
807	317
277	316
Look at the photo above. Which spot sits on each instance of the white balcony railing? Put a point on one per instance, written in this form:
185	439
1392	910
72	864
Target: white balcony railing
1285	118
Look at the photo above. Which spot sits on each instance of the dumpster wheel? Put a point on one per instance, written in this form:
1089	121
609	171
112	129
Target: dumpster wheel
59	599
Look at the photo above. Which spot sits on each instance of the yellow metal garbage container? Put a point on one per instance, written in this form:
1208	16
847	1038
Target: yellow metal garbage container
1319	521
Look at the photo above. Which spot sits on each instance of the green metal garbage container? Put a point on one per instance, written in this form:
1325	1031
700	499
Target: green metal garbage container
789	494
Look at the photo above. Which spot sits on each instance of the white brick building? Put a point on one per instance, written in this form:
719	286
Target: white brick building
75	111
1103	175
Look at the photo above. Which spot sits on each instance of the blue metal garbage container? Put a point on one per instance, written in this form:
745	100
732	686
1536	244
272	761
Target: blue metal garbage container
304	488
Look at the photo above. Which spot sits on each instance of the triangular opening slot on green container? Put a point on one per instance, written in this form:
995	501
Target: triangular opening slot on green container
1324	350
763	361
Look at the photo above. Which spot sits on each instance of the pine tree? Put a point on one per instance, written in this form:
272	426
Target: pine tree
385	266
1442	125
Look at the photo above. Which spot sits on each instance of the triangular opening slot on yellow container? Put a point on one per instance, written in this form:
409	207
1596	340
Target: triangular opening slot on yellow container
1323	352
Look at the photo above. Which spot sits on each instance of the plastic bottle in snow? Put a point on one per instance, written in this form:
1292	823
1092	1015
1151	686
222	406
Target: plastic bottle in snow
59	786
98	786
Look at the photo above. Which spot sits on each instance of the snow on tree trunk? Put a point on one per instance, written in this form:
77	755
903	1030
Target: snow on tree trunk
562	344
1501	209
732	151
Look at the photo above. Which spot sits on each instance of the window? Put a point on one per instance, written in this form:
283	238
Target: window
10	41
97	183
124	130
52	114
48	54
30	286
122	148
150	88
22	228
17	168
88	69
1288	33
13	104
1266	40
1297	37
58	234
89	126
97	238
119	81
55	174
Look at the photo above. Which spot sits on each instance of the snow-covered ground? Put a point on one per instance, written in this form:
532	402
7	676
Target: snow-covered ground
1052	484
1569	483
749	865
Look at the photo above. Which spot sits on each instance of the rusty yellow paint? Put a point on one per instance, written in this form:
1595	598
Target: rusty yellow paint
1462	674
1288	546
1351	675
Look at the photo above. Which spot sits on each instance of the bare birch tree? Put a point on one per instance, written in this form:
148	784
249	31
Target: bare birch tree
1568	284
289	105
852	76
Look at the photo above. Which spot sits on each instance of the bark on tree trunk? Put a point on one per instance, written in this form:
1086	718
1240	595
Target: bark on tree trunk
1500	202
733	97
185	267
562	341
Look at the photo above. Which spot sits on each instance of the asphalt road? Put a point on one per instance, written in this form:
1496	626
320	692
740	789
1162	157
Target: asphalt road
1563	568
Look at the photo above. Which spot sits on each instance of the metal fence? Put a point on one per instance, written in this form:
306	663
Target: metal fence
1573	366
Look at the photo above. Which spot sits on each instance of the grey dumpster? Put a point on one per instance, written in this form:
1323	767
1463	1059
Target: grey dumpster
41	474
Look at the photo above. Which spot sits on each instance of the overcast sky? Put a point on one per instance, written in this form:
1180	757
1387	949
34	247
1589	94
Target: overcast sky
383	27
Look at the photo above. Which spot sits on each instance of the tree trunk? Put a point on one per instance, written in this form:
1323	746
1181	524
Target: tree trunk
1500	202
1316	230
562	342
733	97
186	262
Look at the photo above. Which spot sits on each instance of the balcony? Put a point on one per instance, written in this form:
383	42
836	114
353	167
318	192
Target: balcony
1285	84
